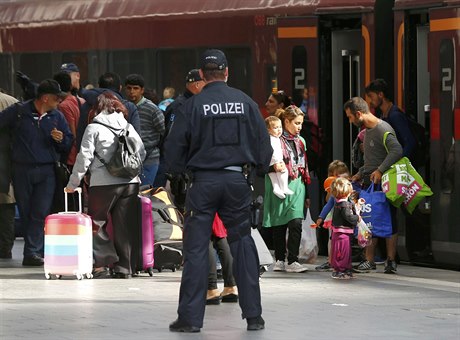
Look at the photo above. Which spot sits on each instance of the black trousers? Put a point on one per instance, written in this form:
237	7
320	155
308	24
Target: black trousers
227	193
121	202
226	259
293	242
7	212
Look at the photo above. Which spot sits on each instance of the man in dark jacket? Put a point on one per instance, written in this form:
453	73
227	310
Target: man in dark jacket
7	201
193	85
39	135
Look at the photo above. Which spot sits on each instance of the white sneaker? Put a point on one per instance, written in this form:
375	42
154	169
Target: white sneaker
279	266
295	267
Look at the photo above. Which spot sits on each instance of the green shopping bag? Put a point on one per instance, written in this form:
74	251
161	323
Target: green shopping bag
395	182
403	185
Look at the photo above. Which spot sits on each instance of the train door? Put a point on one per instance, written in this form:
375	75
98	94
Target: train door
297	68
445	134
345	56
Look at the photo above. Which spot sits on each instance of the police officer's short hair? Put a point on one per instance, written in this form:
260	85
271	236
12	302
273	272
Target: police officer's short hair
213	74
135	79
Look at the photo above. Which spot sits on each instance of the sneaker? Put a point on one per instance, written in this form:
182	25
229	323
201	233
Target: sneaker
279	266
340	276
325	267
390	267
364	267
255	324
349	273
295	267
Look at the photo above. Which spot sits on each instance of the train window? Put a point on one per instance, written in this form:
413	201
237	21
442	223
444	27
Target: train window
172	66
28	65
239	62
128	62
299	73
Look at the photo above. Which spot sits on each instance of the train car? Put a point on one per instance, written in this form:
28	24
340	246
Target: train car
331	47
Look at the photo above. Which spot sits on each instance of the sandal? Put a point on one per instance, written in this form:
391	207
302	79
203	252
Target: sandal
230	298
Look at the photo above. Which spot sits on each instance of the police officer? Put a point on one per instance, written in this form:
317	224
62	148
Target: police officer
216	135
193	85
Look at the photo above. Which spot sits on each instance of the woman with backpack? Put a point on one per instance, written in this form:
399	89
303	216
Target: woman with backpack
109	195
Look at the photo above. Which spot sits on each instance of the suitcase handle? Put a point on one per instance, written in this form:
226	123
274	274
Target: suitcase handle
66	201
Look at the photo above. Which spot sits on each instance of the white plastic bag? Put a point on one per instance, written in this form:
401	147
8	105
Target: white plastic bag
265	257
308	251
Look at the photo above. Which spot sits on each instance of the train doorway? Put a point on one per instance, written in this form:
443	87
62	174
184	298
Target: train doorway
345	58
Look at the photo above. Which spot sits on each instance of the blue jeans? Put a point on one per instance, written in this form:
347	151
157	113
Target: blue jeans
150	169
34	191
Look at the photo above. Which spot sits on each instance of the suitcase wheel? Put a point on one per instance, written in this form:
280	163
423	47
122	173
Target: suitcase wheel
89	275
150	271
79	276
47	276
58	277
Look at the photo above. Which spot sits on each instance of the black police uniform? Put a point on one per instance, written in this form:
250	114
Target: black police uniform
215	133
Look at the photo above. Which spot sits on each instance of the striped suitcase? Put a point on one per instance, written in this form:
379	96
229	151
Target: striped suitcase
69	243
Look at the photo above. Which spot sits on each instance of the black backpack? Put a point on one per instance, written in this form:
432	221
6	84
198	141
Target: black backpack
420	155
125	161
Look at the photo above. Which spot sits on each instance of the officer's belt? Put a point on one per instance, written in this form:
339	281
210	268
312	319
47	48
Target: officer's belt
234	168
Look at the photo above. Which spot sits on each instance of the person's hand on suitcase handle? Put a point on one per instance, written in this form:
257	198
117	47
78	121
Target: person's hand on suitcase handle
71	190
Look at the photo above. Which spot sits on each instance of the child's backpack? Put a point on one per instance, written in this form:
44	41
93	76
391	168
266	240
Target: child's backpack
314	140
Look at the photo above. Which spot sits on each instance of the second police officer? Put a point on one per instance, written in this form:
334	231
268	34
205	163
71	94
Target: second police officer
216	135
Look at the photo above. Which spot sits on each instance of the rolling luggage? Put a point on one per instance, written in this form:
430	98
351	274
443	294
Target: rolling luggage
168	225
142	258
69	243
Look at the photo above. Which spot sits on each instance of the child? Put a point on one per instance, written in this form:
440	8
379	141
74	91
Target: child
344	221
336	168
279	178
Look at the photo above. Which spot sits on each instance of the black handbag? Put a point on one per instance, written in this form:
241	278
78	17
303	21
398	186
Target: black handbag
62	173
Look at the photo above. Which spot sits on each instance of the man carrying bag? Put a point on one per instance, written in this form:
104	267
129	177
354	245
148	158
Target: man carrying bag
376	161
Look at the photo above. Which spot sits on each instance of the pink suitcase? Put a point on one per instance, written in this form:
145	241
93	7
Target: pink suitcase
69	243
142	249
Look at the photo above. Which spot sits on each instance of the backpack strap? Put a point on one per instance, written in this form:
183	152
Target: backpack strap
385	136
123	133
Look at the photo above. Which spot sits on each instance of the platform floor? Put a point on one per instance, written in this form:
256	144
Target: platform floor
417	303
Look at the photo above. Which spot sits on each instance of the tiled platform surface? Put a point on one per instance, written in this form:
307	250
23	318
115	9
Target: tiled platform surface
418	303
